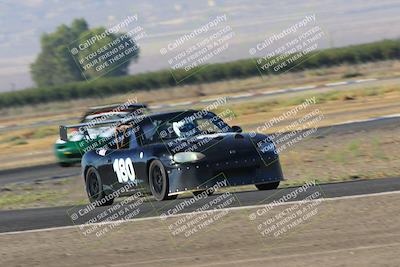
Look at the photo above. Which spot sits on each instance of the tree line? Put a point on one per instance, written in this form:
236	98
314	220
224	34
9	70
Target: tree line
106	86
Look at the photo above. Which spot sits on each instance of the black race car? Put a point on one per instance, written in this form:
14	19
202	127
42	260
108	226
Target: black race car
175	152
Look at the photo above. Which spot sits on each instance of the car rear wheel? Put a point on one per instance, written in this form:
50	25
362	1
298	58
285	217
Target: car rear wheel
94	188
158	181
267	186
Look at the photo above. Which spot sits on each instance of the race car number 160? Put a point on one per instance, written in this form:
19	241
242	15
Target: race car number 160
124	170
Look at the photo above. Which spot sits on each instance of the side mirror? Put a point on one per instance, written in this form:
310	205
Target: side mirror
237	129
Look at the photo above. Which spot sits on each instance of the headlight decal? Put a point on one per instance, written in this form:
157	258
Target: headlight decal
183	157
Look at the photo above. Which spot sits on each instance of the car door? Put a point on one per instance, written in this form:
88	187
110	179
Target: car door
123	164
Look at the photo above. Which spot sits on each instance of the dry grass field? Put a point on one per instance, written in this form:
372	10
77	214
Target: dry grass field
33	145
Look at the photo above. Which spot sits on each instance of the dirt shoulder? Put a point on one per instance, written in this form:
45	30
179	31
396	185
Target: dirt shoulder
363	231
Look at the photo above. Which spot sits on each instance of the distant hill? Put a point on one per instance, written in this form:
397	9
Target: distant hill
23	22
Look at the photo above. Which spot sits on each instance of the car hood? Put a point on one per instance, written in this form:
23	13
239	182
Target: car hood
218	145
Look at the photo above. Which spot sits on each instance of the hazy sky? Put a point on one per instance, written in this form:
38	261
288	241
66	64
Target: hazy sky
344	21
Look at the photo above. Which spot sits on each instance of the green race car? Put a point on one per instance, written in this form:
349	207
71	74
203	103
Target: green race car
71	151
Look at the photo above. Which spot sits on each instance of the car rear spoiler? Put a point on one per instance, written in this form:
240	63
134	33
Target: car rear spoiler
114	107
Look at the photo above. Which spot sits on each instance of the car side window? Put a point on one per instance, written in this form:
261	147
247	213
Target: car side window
134	139
149	132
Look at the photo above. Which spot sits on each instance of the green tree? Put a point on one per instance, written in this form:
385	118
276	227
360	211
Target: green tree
115	52
56	65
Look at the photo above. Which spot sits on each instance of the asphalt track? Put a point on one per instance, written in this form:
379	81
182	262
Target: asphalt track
37	173
30	219
53	171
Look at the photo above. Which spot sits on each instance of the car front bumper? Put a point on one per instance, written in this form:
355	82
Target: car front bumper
67	155
232	172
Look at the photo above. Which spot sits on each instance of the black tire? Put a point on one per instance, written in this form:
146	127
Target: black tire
268	186
158	181
94	188
65	164
209	192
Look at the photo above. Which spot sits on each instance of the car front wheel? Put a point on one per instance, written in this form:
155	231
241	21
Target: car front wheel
65	164
158	181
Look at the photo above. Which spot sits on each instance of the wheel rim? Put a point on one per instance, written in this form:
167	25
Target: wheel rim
157	178
93	185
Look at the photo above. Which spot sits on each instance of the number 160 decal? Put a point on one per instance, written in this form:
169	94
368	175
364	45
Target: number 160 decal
124	170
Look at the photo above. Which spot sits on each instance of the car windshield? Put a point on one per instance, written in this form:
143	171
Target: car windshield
93	133
184	127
